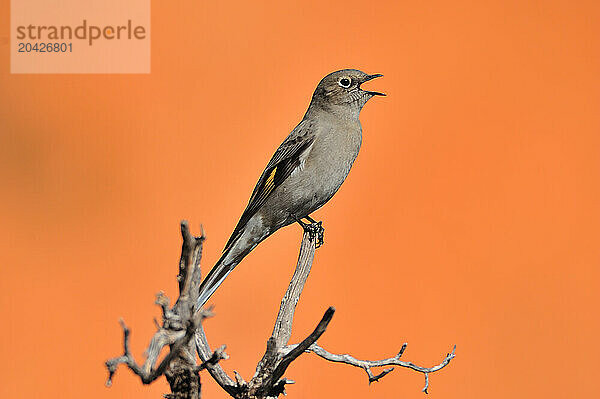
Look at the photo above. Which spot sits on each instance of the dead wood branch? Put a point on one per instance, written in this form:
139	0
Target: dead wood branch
368	364
179	325
182	322
265	382
214	369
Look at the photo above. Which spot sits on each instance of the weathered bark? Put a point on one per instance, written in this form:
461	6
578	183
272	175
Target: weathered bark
181	324
178	328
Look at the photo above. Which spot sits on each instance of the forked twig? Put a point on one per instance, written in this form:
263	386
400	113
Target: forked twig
368	364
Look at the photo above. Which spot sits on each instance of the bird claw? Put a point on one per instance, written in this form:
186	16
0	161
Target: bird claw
314	229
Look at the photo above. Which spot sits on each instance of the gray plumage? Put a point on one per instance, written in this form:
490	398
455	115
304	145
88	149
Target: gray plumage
304	173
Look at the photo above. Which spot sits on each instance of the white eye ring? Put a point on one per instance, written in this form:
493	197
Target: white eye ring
345	82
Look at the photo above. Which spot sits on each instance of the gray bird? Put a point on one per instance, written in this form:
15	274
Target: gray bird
304	173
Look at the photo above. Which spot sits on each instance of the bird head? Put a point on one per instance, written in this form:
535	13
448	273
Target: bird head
341	91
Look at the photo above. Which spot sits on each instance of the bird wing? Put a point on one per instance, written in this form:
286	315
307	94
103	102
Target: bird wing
285	160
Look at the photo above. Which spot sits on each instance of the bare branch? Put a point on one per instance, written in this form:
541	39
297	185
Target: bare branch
287	359
368	364
215	370
178	327
162	338
189	268
181	322
182	342
126	358
285	318
218	355
263	380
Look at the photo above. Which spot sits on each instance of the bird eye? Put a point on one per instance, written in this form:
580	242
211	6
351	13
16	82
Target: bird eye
345	82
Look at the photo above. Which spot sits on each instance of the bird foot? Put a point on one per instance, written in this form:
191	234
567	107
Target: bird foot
315	230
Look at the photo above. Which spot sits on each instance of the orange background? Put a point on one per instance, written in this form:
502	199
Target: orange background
471	216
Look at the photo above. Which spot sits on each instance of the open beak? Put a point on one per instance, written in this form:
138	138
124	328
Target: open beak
371	77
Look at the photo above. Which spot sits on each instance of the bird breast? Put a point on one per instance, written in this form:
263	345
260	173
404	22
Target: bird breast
330	159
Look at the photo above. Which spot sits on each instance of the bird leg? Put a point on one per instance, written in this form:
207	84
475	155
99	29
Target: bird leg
314	228
307	217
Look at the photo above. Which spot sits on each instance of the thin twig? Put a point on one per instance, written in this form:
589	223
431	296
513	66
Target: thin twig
218	355
126	358
162	338
178	327
215	370
368	364
288	358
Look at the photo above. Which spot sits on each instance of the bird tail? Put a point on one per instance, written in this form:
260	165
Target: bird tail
213	280
219	272
239	245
